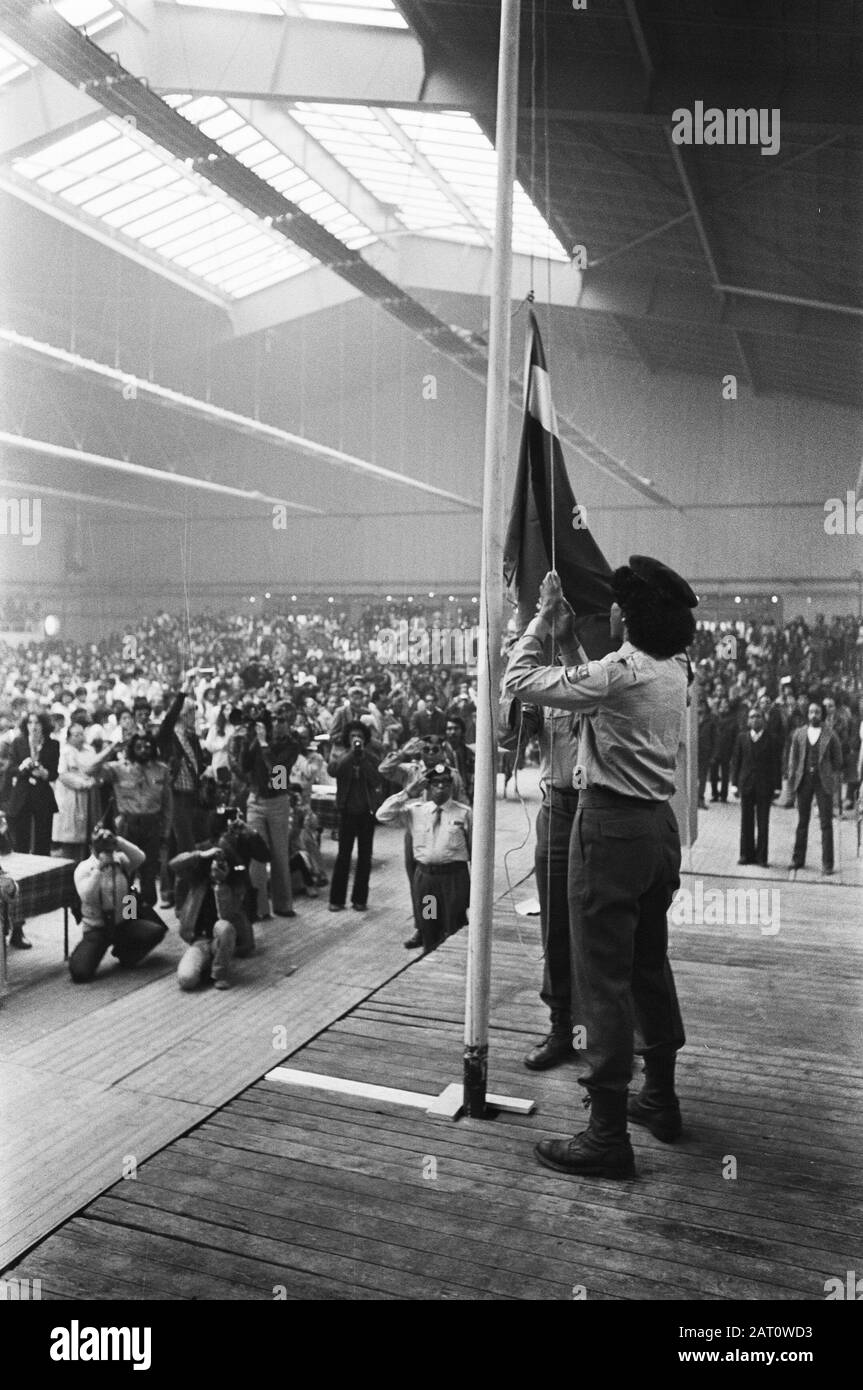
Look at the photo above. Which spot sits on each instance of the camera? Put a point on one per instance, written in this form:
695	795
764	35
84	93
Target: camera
104	841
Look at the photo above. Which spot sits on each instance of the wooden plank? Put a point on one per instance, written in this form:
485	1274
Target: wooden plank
336	1189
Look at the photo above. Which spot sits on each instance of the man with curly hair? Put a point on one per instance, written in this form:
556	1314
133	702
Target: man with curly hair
624	860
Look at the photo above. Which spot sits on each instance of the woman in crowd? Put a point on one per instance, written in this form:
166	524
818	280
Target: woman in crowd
34	760
75	802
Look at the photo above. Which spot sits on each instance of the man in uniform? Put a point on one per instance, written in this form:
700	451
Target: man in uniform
440	830
557	731
624	864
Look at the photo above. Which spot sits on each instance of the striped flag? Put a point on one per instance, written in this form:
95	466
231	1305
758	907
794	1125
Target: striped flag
541	479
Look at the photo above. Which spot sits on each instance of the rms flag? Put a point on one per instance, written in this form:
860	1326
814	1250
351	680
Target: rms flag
584	571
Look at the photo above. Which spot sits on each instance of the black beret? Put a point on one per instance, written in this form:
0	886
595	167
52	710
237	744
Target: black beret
666	583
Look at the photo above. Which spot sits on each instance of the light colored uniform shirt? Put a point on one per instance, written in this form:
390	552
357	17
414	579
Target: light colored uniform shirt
558	748
634	707
447	842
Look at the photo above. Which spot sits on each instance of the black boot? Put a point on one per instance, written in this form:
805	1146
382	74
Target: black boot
656	1106
19	940
554	1048
602	1150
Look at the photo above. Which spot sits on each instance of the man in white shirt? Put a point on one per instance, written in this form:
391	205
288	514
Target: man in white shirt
441	836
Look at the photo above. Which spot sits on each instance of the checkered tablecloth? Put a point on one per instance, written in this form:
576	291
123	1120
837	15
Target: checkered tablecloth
44	883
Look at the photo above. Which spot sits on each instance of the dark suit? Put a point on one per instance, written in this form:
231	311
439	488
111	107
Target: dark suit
753	772
820	784
358	795
32	804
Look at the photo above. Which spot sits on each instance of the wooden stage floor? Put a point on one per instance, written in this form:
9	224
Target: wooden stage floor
276	1189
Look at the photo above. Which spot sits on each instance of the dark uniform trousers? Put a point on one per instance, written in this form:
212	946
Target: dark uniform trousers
441	896
624	869
551	862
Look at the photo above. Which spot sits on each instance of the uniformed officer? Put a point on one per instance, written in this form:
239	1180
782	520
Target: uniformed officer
624	864
441	833
557	731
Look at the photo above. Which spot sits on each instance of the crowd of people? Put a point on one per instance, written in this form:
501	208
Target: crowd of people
181	758
759	691
182	755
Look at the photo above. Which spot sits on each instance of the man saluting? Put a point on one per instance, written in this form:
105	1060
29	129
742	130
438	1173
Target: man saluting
624	857
441	832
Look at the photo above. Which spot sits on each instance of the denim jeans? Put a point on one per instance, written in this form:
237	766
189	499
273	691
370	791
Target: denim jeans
205	959
271	817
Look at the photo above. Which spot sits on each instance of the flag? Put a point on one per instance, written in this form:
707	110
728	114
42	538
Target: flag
585	574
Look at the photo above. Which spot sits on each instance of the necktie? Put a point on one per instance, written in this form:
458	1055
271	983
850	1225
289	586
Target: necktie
436	818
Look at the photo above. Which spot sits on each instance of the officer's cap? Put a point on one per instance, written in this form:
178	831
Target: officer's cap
440	772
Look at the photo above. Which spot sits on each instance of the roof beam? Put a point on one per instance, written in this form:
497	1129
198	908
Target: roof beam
140	389
235	54
664	298
414	261
685	166
91	498
139	470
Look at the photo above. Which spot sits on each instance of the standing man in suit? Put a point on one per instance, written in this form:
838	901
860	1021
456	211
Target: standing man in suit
754	767
814	770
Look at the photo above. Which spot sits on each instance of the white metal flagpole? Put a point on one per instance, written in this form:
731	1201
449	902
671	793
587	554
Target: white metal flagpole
491	583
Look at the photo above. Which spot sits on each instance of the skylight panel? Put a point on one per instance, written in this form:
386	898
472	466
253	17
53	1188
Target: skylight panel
270	163
437	170
115	176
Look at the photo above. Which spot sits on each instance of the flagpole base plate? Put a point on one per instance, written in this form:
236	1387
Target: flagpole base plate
450	1103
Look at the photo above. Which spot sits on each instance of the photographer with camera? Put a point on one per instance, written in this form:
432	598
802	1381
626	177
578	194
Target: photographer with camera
144	802
358	795
109	909
213	918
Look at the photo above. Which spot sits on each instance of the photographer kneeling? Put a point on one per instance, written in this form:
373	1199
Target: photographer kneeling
213	916
110	910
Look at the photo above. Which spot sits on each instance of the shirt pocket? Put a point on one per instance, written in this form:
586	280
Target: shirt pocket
456	836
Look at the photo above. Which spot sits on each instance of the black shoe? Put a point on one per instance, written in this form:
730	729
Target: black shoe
792	867
416	940
663	1121
827	872
744	861
20	942
585	1157
556	1048
337	907
360	907
290	913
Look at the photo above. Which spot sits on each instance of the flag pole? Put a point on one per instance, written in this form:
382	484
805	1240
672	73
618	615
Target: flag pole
491	582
